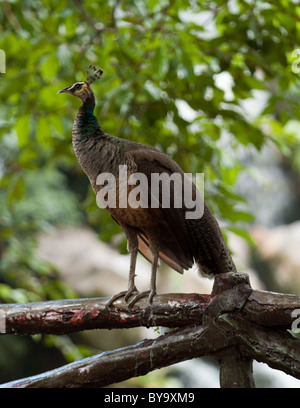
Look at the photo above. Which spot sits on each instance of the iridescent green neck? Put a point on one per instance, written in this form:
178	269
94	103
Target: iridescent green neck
86	122
89	104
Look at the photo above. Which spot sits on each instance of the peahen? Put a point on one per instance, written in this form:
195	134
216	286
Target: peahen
155	231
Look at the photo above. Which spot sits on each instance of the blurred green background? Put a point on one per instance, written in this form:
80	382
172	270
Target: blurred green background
207	82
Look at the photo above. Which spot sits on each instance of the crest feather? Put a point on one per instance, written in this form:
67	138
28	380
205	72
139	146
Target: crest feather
93	74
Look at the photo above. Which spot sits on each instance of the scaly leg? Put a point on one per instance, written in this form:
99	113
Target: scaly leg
132	244
131	286
152	292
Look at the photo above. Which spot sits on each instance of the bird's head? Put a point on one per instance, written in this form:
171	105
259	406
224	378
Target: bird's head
82	89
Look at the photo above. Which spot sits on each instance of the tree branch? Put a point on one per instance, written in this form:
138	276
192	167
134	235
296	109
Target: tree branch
277	348
68	316
233	333
236	370
234	324
90	20
168	310
86	16
119	365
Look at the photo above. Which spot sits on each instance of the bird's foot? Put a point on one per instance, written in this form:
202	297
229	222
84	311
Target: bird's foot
115	297
149	293
130	292
133	291
125	293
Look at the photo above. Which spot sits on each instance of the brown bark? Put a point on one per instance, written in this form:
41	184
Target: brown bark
234	324
168	310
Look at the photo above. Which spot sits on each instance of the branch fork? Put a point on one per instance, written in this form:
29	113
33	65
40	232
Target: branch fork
235	324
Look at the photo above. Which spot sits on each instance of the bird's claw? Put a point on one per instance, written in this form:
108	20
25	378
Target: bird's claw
115	297
130	292
137	295
125	293
140	295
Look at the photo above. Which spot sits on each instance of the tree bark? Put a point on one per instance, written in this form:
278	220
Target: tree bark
236	370
68	316
234	324
119	365
168	310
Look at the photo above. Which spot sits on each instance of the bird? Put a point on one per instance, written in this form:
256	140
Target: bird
158	232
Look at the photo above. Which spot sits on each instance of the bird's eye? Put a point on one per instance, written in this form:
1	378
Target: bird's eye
76	87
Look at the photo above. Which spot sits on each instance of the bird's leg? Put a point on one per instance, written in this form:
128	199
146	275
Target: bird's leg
153	274
152	292
132	244
131	286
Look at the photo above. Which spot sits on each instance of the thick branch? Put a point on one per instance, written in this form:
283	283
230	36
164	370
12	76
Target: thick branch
277	348
68	316
234	324
236	370
271	309
228	332
119	365
168	310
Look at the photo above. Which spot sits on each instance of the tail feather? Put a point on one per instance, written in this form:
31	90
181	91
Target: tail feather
210	250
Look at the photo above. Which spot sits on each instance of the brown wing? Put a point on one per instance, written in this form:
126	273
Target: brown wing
183	240
175	239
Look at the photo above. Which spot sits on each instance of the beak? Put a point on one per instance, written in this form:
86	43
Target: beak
65	90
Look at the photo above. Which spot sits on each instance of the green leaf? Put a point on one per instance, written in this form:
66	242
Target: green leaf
16	190
43	133
160	62
242	232
49	67
22	128
240	216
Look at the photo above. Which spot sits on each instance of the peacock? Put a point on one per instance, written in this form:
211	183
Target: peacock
157	231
